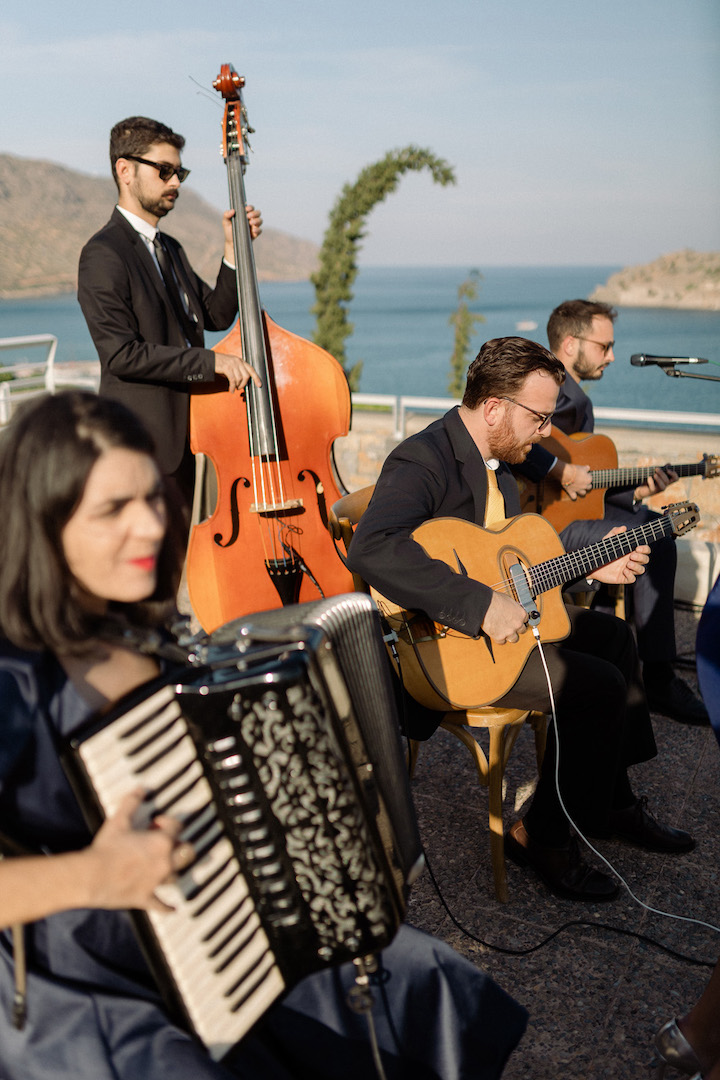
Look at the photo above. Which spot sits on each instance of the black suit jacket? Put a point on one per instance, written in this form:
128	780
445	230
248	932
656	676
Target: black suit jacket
574	411
437	473
145	358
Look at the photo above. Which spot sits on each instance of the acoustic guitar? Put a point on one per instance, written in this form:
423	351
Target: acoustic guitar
598	452
443	668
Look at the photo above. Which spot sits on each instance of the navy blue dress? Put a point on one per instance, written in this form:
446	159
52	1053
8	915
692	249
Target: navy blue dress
707	651
94	1012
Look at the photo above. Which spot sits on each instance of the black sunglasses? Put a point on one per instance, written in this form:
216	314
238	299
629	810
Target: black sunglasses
165	171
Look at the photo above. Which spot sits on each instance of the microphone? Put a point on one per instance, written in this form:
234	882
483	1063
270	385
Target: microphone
643	359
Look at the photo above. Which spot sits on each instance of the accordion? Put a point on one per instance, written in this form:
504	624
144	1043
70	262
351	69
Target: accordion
277	746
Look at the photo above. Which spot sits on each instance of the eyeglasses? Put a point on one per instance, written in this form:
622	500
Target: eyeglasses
542	418
165	171
606	346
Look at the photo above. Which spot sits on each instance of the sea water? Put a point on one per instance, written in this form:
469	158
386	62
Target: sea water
404	339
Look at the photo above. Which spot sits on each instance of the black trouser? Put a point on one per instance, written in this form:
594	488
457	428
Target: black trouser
603	724
181	483
652	592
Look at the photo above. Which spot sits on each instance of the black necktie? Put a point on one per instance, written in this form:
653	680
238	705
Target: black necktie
166	270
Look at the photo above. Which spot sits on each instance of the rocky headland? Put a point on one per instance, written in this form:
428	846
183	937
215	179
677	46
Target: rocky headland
685	279
47	213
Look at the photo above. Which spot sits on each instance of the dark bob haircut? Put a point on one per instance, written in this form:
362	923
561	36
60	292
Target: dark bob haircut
46	455
502	366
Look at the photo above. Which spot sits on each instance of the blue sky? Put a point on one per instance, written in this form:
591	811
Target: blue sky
579	133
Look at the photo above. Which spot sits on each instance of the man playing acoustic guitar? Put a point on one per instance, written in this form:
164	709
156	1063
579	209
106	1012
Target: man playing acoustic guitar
448	471
580	333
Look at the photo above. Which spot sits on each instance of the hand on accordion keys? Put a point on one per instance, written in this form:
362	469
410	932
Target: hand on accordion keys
128	864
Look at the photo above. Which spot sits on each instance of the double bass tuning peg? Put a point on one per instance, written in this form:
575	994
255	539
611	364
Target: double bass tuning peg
229	82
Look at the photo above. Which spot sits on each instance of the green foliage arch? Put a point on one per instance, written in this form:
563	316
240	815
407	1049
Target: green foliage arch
337	271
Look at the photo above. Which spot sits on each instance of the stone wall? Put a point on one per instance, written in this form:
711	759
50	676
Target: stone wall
360	455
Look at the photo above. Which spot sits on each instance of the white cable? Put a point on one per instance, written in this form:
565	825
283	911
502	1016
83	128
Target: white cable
611	868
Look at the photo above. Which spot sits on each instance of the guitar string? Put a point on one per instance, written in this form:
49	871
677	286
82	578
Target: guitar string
610	478
548	574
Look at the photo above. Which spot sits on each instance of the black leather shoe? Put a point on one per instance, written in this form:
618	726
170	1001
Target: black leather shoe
562	869
677	701
637	825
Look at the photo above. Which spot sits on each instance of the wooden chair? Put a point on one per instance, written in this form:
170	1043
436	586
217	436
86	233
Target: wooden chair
503	725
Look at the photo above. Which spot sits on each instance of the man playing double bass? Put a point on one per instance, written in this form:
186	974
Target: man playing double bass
449	470
145	306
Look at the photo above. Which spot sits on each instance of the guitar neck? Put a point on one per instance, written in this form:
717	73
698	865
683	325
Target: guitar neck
578	564
630	477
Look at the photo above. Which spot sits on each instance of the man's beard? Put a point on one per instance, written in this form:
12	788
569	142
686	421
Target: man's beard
584	370
504	445
155	206
158	209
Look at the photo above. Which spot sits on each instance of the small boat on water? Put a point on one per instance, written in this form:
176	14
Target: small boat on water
526	324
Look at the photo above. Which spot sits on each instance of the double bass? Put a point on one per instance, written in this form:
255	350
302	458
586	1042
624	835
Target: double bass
266	543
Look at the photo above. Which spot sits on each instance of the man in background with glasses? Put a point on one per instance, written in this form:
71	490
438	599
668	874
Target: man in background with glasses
145	306
581	334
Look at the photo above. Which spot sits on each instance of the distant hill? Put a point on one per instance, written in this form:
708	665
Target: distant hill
685	279
47	213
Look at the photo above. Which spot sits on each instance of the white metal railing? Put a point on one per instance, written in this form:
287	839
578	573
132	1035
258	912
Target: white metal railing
31	377
384	400
34	377
401	404
658	416
421	404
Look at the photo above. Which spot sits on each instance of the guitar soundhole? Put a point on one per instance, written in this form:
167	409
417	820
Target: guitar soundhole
511	559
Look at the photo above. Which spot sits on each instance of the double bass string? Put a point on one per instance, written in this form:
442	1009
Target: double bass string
267	476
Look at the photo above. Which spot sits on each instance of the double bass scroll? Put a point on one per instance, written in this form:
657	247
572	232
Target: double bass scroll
266	543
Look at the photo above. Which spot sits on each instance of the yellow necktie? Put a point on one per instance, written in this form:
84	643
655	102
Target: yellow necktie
495	506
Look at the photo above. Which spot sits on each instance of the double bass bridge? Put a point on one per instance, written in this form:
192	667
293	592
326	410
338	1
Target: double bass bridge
286	506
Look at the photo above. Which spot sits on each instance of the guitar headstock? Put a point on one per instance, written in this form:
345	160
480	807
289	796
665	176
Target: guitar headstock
711	464
683	517
235	123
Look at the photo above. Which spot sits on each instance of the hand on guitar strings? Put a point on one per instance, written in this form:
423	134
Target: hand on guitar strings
624	570
505	619
659	480
576	480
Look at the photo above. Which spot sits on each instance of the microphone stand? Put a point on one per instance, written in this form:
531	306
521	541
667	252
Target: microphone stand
672	371
667	363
